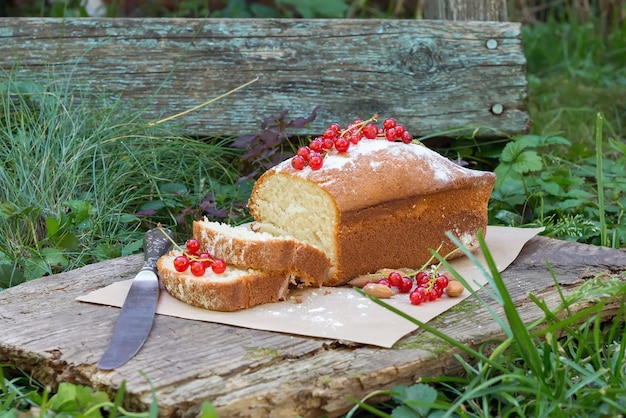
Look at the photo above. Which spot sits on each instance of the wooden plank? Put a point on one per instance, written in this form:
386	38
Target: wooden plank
430	75
250	373
490	10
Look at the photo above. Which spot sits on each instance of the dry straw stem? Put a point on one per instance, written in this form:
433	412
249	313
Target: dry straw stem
193	109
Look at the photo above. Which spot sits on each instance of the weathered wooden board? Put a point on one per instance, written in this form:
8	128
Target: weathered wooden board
431	75
249	373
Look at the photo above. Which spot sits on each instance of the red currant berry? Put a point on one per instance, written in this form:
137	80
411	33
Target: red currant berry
355	138
335	127
197	268
304	152
342	144
433	294
370	131
316	161
298	162
439	290
390	134
317	145
422	278
329	134
218	266
423	291
416	297
442	281
192	245
328	143
181	263
399	131
389	123
394	278
205	258
406	284
407	138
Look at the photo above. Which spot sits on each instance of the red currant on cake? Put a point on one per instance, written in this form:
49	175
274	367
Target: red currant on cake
197	268
298	162
342	144
389	123
192	245
316	161
181	263
340	140
370	131
316	145
218	266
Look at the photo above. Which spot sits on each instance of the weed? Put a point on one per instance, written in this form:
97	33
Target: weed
78	179
552	367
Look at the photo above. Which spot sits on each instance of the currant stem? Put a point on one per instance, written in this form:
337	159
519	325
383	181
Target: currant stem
360	125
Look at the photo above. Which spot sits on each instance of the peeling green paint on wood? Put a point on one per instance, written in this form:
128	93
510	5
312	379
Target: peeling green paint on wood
432	75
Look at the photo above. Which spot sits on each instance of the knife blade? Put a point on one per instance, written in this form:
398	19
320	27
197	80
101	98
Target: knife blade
137	315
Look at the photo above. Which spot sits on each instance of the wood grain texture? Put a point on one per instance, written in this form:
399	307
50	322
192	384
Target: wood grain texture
431	75
487	10
250	373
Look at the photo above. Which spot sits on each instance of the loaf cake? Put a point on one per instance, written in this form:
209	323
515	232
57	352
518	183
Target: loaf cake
380	204
235	289
240	246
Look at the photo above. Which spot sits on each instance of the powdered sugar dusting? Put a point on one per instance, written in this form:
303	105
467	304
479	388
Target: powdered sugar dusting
442	169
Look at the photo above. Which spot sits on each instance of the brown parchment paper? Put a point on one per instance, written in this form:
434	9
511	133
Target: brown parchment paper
338	313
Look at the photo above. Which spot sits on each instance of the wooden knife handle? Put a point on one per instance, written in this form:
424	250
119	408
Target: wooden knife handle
156	244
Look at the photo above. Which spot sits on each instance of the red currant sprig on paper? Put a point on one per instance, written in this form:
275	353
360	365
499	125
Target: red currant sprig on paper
420	285
342	139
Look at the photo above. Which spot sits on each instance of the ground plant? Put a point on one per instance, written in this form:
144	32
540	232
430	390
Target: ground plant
81	184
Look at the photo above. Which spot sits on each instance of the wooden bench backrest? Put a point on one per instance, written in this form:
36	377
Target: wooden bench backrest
431	75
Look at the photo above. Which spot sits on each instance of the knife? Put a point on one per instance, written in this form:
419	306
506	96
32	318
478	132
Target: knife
137	315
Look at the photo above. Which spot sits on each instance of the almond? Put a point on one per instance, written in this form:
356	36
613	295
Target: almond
454	289
378	290
361	281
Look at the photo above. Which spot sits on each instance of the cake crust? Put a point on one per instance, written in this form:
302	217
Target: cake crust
233	290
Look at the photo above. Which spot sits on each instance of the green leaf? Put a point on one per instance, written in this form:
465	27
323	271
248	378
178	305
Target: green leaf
618	145
173	188
527	161
133	247
54	257
80	210
208	411
154	205
511	151
128	218
415	400
10	276
8	210
405	411
419	391
52	227
106	252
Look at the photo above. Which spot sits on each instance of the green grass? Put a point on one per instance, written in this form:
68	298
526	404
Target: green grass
552	367
78	180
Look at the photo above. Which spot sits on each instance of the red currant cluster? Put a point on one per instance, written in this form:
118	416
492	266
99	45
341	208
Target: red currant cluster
428	286
341	140
197	261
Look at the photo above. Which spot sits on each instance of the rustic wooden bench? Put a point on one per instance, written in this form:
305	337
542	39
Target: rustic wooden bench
432	75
